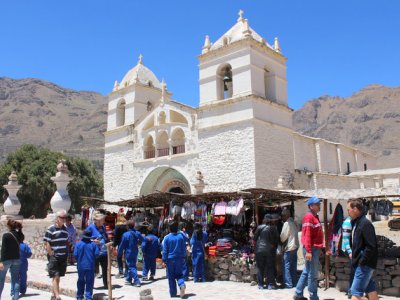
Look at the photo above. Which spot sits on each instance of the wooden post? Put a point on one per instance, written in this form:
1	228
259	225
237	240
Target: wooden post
256	208
326	243
109	283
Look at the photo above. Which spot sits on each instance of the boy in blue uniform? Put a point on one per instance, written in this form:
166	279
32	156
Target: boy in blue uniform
173	254
129	247
198	241
185	267
150	248
85	253
24	253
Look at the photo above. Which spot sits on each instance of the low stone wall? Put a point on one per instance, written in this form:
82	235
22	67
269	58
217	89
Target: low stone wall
230	269
34	231
386	275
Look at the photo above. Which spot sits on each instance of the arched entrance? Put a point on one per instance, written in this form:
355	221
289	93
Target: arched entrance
165	179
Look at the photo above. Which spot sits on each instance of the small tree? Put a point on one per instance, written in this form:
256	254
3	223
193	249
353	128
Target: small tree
35	167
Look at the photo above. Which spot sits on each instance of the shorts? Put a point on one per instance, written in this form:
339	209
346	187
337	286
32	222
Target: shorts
57	266
363	281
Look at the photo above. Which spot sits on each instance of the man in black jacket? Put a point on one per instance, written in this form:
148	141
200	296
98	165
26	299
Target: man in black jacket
364	252
266	238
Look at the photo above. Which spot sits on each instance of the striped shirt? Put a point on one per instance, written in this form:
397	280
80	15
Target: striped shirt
346	236
57	238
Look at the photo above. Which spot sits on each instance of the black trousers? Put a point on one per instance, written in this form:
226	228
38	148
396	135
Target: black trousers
103	261
265	268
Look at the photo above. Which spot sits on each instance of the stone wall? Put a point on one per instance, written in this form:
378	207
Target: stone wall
386	275
230	269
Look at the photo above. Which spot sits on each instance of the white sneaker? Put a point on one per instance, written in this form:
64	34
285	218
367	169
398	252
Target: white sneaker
182	292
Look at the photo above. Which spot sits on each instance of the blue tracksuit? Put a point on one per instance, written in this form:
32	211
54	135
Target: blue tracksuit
85	253
129	247
198	256
150	248
24	253
173	254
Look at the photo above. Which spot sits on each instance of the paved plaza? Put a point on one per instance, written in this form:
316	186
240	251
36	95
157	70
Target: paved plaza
221	290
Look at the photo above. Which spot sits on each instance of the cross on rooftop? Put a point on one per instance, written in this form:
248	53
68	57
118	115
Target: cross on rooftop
240	15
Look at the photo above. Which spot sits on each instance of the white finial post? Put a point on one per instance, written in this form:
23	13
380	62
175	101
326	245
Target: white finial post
115	85
240	15
12	206
140	61
207	44
61	199
246	30
276	45
163	90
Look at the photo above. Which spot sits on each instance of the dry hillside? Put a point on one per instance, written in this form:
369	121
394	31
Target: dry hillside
368	119
44	114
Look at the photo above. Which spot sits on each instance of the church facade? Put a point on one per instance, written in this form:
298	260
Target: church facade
240	136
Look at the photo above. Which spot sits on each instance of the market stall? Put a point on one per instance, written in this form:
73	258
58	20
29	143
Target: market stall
230	219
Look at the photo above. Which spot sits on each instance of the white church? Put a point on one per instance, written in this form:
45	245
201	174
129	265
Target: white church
240	136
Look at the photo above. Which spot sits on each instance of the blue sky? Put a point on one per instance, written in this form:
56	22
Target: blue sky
333	47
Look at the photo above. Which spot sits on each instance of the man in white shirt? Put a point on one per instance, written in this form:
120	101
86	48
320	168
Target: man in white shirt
290	240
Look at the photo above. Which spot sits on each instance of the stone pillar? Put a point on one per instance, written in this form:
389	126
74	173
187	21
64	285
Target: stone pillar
199	185
61	199
12	206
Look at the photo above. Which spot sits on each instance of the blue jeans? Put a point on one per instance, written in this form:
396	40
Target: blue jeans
309	275
23	278
290	268
363	281
121	265
14	266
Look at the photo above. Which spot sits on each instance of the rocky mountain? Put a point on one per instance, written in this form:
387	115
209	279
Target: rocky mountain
368	120
44	114
38	112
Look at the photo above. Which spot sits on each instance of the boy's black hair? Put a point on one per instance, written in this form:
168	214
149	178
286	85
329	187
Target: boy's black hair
173	226
182	225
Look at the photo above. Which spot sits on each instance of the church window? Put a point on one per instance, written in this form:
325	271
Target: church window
269	85
149	149
225	82
121	113
365	167
178	141
162	144
348	168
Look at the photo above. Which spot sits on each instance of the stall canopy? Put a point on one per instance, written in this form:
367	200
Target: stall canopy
264	197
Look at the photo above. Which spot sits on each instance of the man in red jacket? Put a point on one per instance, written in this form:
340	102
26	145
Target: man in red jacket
312	239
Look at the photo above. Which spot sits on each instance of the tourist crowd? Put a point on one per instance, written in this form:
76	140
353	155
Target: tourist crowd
91	252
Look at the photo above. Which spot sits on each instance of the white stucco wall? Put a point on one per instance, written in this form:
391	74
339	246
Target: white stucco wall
329	158
273	153
118	182
226	157
304	153
348	156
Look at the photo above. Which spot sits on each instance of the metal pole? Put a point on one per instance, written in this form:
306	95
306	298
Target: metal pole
109	283
326	243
